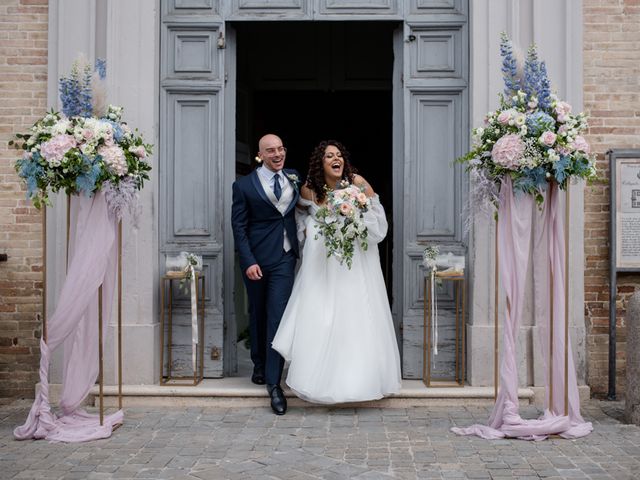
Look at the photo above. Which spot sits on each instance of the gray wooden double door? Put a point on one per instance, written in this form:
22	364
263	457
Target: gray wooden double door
203	134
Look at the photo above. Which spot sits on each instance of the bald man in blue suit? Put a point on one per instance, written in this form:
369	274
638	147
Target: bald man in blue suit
264	230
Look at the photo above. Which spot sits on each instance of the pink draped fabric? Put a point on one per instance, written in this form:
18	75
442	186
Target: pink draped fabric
516	219
92	262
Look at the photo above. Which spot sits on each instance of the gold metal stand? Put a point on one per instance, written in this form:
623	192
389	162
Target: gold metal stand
496	276
198	371
120	315
566	298
101	356
44	273
459	287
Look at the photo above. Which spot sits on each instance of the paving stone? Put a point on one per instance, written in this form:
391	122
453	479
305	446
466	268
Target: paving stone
320	443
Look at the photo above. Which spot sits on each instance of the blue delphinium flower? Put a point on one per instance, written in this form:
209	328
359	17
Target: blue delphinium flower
86	181
539	122
70	96
85	96
101	68
531	73
544	89
509	66
75	92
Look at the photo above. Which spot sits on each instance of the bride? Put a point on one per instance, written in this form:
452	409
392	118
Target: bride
337	332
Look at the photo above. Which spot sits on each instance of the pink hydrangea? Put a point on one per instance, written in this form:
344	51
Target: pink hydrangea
55	149
114	157
508	151
581	144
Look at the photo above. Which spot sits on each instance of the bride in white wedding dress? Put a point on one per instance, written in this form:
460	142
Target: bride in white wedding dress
337	331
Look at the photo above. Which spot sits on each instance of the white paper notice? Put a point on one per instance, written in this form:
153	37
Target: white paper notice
628	214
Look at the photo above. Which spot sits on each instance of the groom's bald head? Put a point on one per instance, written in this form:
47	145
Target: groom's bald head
272	152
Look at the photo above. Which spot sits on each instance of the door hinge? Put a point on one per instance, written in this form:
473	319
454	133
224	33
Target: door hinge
226	77
221	43
215	353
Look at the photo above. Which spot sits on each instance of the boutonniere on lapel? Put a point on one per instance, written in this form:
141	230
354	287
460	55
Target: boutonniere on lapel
295	181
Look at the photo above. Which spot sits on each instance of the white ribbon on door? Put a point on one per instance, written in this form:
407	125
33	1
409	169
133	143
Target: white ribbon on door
434	312
194	316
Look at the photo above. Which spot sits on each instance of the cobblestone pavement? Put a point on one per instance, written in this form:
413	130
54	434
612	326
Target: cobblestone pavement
319	443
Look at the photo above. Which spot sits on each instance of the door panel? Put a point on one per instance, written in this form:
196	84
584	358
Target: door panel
426	7
254	9
437	52
193	52
433	176
192	167
357	7
191	200
435	134
190	7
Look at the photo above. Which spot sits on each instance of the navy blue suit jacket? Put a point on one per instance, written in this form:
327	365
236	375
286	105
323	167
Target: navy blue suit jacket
257	224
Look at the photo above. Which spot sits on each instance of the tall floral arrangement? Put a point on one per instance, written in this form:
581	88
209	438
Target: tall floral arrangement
84	149
533	137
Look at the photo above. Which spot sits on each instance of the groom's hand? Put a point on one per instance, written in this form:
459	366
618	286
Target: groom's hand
254	272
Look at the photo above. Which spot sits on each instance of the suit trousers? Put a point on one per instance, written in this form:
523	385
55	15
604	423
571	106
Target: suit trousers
268	299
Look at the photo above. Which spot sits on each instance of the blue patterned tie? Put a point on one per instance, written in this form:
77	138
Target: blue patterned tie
277	189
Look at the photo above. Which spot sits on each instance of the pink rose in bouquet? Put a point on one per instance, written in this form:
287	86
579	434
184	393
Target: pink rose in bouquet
548	138
562	109
346	209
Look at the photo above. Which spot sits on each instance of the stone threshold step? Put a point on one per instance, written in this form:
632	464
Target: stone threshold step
236	391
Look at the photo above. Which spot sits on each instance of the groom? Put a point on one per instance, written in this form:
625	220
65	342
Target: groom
264	230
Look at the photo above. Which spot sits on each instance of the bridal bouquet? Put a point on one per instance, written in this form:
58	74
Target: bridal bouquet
85	148
341	221
533	136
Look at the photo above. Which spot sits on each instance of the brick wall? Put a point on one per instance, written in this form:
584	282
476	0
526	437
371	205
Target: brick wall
612	97
23	92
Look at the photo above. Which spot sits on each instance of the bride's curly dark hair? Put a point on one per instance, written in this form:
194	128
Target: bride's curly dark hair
315	177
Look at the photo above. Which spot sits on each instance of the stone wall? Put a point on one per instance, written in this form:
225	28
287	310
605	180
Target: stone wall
612	97
23	95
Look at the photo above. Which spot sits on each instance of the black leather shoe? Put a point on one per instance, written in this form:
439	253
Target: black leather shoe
258	376
278	402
